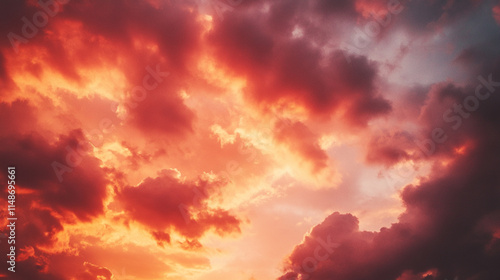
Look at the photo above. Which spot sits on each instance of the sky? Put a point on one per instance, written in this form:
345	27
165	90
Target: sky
250	139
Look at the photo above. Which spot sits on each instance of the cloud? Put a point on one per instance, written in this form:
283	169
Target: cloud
16	117
389	148
447	229
334	7
166	203
496	13
252	95
291	71
301	140
162	112
81	187
94	272
172	26
430	16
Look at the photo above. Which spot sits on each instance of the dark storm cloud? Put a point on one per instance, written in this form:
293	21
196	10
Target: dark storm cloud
451	222
284	69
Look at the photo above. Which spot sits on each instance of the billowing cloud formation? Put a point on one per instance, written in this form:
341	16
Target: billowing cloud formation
95	272
61	182
78	191
450	226
266	108
496	13
284	70
165	203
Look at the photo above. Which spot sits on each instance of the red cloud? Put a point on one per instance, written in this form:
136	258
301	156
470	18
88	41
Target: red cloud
93	271
161	111
83	183
448	228
287	53
302	141
292	71
496	13
165	203
43	203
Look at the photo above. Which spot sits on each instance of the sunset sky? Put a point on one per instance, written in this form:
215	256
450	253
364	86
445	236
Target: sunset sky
251	139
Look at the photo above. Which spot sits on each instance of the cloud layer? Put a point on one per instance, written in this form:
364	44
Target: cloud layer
208	139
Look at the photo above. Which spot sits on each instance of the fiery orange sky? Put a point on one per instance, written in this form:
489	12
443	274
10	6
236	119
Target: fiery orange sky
250	139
